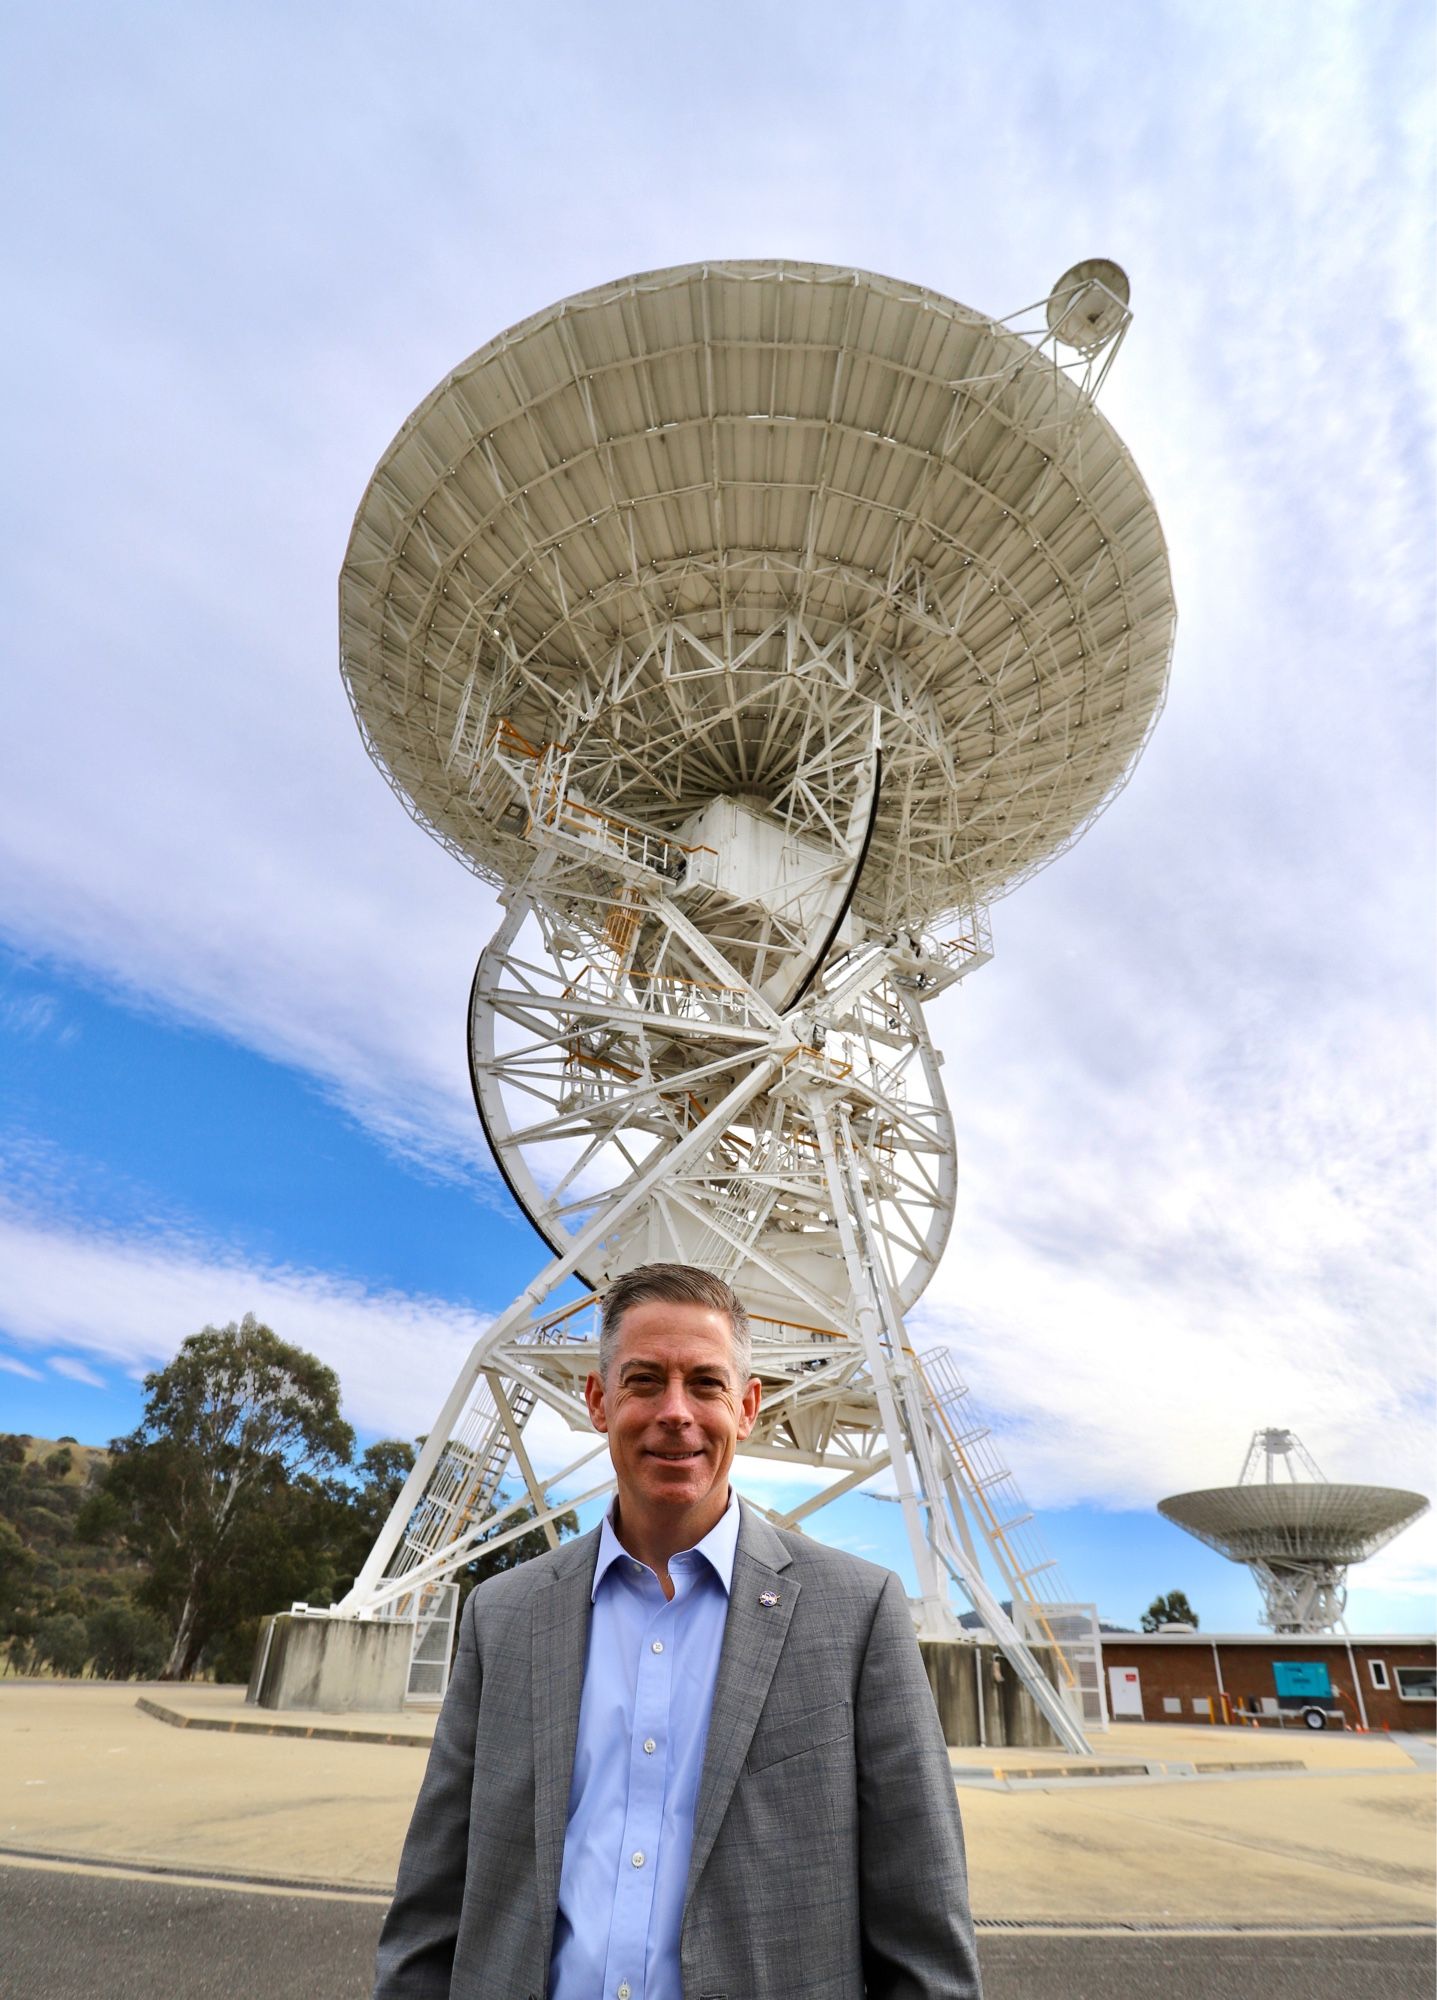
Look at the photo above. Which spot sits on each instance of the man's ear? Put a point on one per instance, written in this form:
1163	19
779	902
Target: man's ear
748	1405
594	1398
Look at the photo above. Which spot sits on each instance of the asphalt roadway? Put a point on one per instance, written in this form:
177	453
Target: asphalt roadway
71	1933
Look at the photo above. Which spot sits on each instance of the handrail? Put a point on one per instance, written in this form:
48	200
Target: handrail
515	739
997	1529
546	813
680	979
506	736
831	1068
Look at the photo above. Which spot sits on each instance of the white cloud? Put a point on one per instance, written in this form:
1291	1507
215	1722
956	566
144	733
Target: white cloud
1150	1263
75	1371
195	820
13	1367
129	1302
1407	1567
32	1016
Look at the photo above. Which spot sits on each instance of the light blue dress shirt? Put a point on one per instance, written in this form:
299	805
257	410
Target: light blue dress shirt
643	1723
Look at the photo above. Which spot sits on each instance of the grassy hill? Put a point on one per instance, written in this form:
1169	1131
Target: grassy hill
48	1574
81	1456
44	1482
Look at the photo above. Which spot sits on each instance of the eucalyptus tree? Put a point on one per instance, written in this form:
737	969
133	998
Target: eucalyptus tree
220	1488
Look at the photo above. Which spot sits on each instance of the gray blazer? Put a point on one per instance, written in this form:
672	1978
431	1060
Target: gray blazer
827	1858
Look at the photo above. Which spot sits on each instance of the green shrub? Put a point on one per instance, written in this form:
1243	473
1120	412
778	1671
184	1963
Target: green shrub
62	1643
126	1643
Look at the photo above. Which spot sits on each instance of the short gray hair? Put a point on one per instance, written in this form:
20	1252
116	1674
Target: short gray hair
679	1285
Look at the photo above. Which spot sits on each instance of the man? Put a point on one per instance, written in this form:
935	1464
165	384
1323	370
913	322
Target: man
688	1756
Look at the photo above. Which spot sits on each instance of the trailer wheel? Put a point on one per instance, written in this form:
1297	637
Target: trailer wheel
1315	1718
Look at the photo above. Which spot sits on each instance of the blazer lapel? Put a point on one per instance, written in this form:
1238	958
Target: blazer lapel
754	1633
559	1631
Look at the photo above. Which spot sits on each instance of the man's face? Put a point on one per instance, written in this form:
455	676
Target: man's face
673	1407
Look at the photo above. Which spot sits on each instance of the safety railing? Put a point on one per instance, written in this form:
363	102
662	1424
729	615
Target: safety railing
542	770
1004	1516
693	999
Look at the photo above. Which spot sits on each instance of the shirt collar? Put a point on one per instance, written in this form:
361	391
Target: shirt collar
718	1547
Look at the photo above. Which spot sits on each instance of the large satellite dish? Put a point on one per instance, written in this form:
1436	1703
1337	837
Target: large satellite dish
752	626
648	522
1296	1532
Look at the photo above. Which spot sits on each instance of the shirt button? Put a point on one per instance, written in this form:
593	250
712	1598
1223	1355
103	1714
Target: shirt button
623	1989
649	1746
657	1647
637	1857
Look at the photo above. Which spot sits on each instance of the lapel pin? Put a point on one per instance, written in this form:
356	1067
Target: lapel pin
768	1599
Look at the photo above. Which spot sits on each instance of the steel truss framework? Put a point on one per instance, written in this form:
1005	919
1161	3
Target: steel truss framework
751	626
646	1099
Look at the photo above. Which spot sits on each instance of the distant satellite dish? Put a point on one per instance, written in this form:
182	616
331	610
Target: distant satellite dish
1089	304
1297	1536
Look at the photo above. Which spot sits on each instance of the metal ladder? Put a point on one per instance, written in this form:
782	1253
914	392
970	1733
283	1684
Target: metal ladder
466	1478
941	1472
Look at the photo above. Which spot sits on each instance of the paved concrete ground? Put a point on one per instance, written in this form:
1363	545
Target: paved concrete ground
1126	1744
1183	1748
84	1774
69	1935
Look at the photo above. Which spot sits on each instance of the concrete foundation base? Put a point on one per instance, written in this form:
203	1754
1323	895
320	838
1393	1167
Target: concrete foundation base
333	1665
338	1666
980	1698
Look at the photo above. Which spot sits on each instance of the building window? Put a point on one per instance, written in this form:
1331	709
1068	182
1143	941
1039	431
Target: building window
1378	1671
1417	1683
1172	1704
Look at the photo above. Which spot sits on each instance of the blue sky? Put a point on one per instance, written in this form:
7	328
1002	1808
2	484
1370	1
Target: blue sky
1193	1091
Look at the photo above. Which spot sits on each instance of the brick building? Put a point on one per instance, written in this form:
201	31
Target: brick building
1374	1681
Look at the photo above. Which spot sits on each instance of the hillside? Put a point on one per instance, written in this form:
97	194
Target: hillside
44	1482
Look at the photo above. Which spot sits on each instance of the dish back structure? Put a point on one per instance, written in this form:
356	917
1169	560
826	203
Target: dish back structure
1297	1534
751	627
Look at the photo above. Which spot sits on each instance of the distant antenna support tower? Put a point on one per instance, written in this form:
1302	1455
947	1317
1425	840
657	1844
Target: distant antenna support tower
749	627
1296	1531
